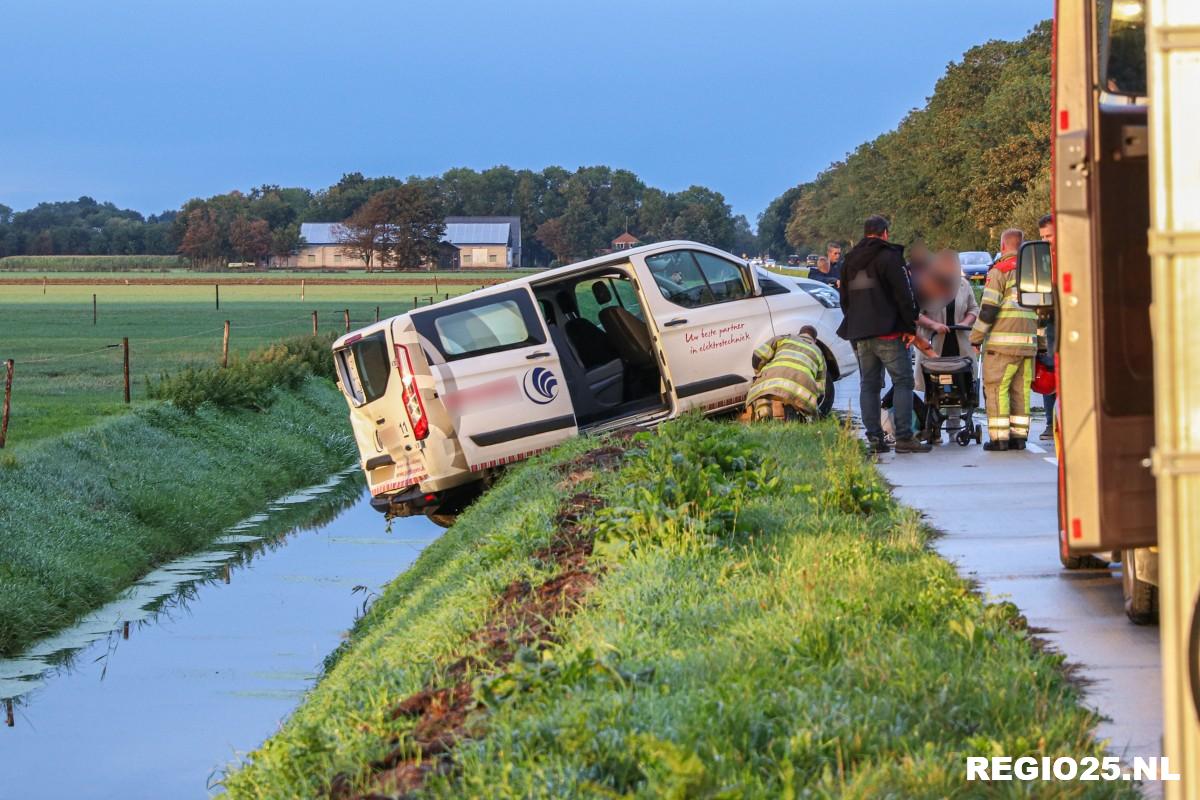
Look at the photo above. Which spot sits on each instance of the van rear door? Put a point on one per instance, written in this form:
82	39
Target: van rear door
498	376
375	388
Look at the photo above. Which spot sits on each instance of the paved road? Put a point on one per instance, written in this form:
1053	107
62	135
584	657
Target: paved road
998	514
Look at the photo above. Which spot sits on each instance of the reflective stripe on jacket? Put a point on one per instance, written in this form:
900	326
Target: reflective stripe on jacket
1004	323
790	369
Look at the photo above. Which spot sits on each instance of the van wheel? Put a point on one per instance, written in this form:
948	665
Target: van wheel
1076	562
826	407
442	520
1141	598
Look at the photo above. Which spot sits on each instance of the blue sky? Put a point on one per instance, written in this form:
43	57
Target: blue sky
150	103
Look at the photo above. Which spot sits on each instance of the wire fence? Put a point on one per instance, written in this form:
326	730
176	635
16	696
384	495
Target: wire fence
122	362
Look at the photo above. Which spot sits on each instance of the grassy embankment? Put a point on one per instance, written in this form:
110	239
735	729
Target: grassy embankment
87	513
67	375
745	637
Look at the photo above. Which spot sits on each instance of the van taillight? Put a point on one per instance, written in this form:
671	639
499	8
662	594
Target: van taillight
409	394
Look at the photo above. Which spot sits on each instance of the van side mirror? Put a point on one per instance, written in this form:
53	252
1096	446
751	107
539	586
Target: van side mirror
1034	277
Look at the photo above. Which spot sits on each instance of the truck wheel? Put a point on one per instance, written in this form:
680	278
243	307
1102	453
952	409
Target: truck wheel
826	406
1141	598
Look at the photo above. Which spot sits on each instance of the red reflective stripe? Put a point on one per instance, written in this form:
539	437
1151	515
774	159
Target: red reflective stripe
1064	120
1066	282
1076	529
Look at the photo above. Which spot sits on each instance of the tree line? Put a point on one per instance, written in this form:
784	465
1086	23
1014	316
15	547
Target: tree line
564	216
84	227
974	160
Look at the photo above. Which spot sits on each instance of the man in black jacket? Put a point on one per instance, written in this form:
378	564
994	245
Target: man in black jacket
879	318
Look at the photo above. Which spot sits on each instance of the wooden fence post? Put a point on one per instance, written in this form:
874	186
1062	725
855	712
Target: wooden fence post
125	348
217	288
225	346
377	313
314	323
43	284
414	301
93	309
302	288
8	373
346	315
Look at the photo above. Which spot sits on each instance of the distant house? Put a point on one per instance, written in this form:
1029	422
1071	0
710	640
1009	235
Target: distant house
470	243
321	249
485	242
625	241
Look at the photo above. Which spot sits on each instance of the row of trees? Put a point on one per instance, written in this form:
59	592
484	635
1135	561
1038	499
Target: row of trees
973	161
564	215
83	227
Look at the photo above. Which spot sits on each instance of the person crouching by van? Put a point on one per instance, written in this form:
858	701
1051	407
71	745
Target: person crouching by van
789	379
1008	334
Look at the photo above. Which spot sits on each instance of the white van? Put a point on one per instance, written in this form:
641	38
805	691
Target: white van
441	397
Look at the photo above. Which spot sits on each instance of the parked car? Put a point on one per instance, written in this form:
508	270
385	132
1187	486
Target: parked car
441	397
812	259
975	264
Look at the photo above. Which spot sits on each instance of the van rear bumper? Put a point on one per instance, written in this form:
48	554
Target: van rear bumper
411	498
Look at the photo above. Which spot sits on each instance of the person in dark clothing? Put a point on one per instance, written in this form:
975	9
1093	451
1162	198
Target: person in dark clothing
833	253
879	318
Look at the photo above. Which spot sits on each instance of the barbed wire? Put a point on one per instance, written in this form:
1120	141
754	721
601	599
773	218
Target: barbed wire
68	357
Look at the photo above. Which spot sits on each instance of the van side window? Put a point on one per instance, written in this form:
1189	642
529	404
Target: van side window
770	286
618	292
692	279
477	327
726	279
629	298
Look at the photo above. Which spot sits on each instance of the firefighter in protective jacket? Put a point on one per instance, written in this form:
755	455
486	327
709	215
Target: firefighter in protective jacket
1008	334
789	376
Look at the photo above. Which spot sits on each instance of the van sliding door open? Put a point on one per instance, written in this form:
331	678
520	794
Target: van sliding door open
498	376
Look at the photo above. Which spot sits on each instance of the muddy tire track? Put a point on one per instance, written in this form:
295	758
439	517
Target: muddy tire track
523	616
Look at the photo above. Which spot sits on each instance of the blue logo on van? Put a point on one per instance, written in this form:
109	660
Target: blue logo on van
541	386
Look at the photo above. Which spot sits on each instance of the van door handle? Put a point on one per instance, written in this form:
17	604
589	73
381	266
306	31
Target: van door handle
538	354
674	322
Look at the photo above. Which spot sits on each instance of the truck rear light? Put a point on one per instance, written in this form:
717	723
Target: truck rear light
410	395
1076	529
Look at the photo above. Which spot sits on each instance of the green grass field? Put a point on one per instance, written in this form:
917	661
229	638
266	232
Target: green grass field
745	638
67	375
91	264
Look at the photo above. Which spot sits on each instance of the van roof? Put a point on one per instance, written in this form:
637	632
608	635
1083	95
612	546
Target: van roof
609	259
